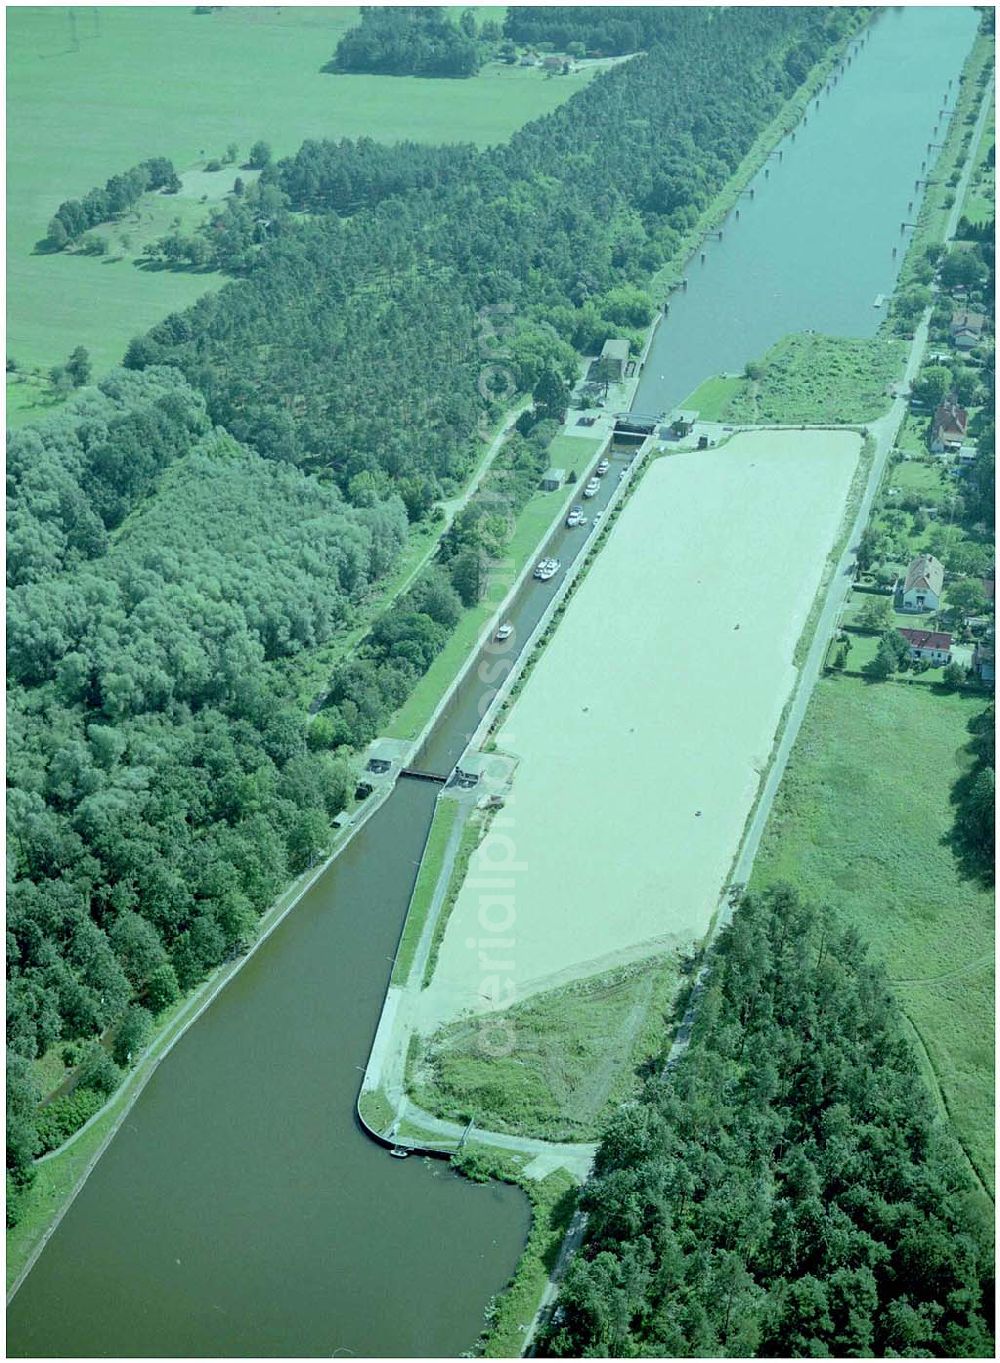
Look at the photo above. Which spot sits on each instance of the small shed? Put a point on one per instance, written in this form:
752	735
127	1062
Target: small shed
682	421
553	479
614	358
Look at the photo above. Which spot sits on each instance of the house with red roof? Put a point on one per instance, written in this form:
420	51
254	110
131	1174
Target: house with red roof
948	427
928	645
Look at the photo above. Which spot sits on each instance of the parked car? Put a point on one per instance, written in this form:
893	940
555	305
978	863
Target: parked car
603	467
592	488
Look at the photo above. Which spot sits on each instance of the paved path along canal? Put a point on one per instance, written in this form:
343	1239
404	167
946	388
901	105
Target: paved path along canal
239	1210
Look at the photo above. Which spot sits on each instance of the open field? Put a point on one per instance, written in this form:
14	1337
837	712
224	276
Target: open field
639	757
862	822
93	91
575	1054
813	378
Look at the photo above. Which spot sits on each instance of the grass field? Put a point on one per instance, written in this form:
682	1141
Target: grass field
980	201
711	398
92	91
630	731
575	1054
862	822
812	378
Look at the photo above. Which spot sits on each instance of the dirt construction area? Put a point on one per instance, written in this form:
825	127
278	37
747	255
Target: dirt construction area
646	723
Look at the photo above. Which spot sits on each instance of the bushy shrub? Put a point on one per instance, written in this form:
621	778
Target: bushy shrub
63	1116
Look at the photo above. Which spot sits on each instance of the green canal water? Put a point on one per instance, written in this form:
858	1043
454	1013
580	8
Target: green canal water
240	1210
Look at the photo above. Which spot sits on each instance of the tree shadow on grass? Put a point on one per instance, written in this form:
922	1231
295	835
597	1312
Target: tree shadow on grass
971	835
562	1215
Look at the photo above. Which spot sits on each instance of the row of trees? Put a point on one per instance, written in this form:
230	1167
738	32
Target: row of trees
787	1190
409	40
120	193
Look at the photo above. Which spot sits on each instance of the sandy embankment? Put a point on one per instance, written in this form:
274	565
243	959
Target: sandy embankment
644	727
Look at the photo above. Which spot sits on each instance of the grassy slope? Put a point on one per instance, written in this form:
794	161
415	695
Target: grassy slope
813	378
445	814
164	81
862	822
576	1054
553	1200
710	398
980	201
932	220
472	836
532	523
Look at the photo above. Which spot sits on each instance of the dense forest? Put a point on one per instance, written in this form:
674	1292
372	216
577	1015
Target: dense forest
409	40
232	498
786	1190
161	791
601	30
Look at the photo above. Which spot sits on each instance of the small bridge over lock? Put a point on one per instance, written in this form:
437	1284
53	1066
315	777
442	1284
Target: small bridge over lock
417	775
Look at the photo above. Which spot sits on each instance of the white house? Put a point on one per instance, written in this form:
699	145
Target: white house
920	590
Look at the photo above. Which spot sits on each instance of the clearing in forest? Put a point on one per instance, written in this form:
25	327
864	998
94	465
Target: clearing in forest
646	724
93	91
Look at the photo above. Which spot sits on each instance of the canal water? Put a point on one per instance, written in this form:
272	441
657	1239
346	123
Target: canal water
813	247
240	1210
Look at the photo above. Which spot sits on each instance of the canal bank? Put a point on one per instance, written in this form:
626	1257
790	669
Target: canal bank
385	1072
180	1170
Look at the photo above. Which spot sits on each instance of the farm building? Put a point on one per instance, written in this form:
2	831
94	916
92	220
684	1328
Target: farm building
920	590
553	479
928	645
950	424
614	358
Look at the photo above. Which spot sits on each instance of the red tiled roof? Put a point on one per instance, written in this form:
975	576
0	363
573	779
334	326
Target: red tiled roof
926	638
949	417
